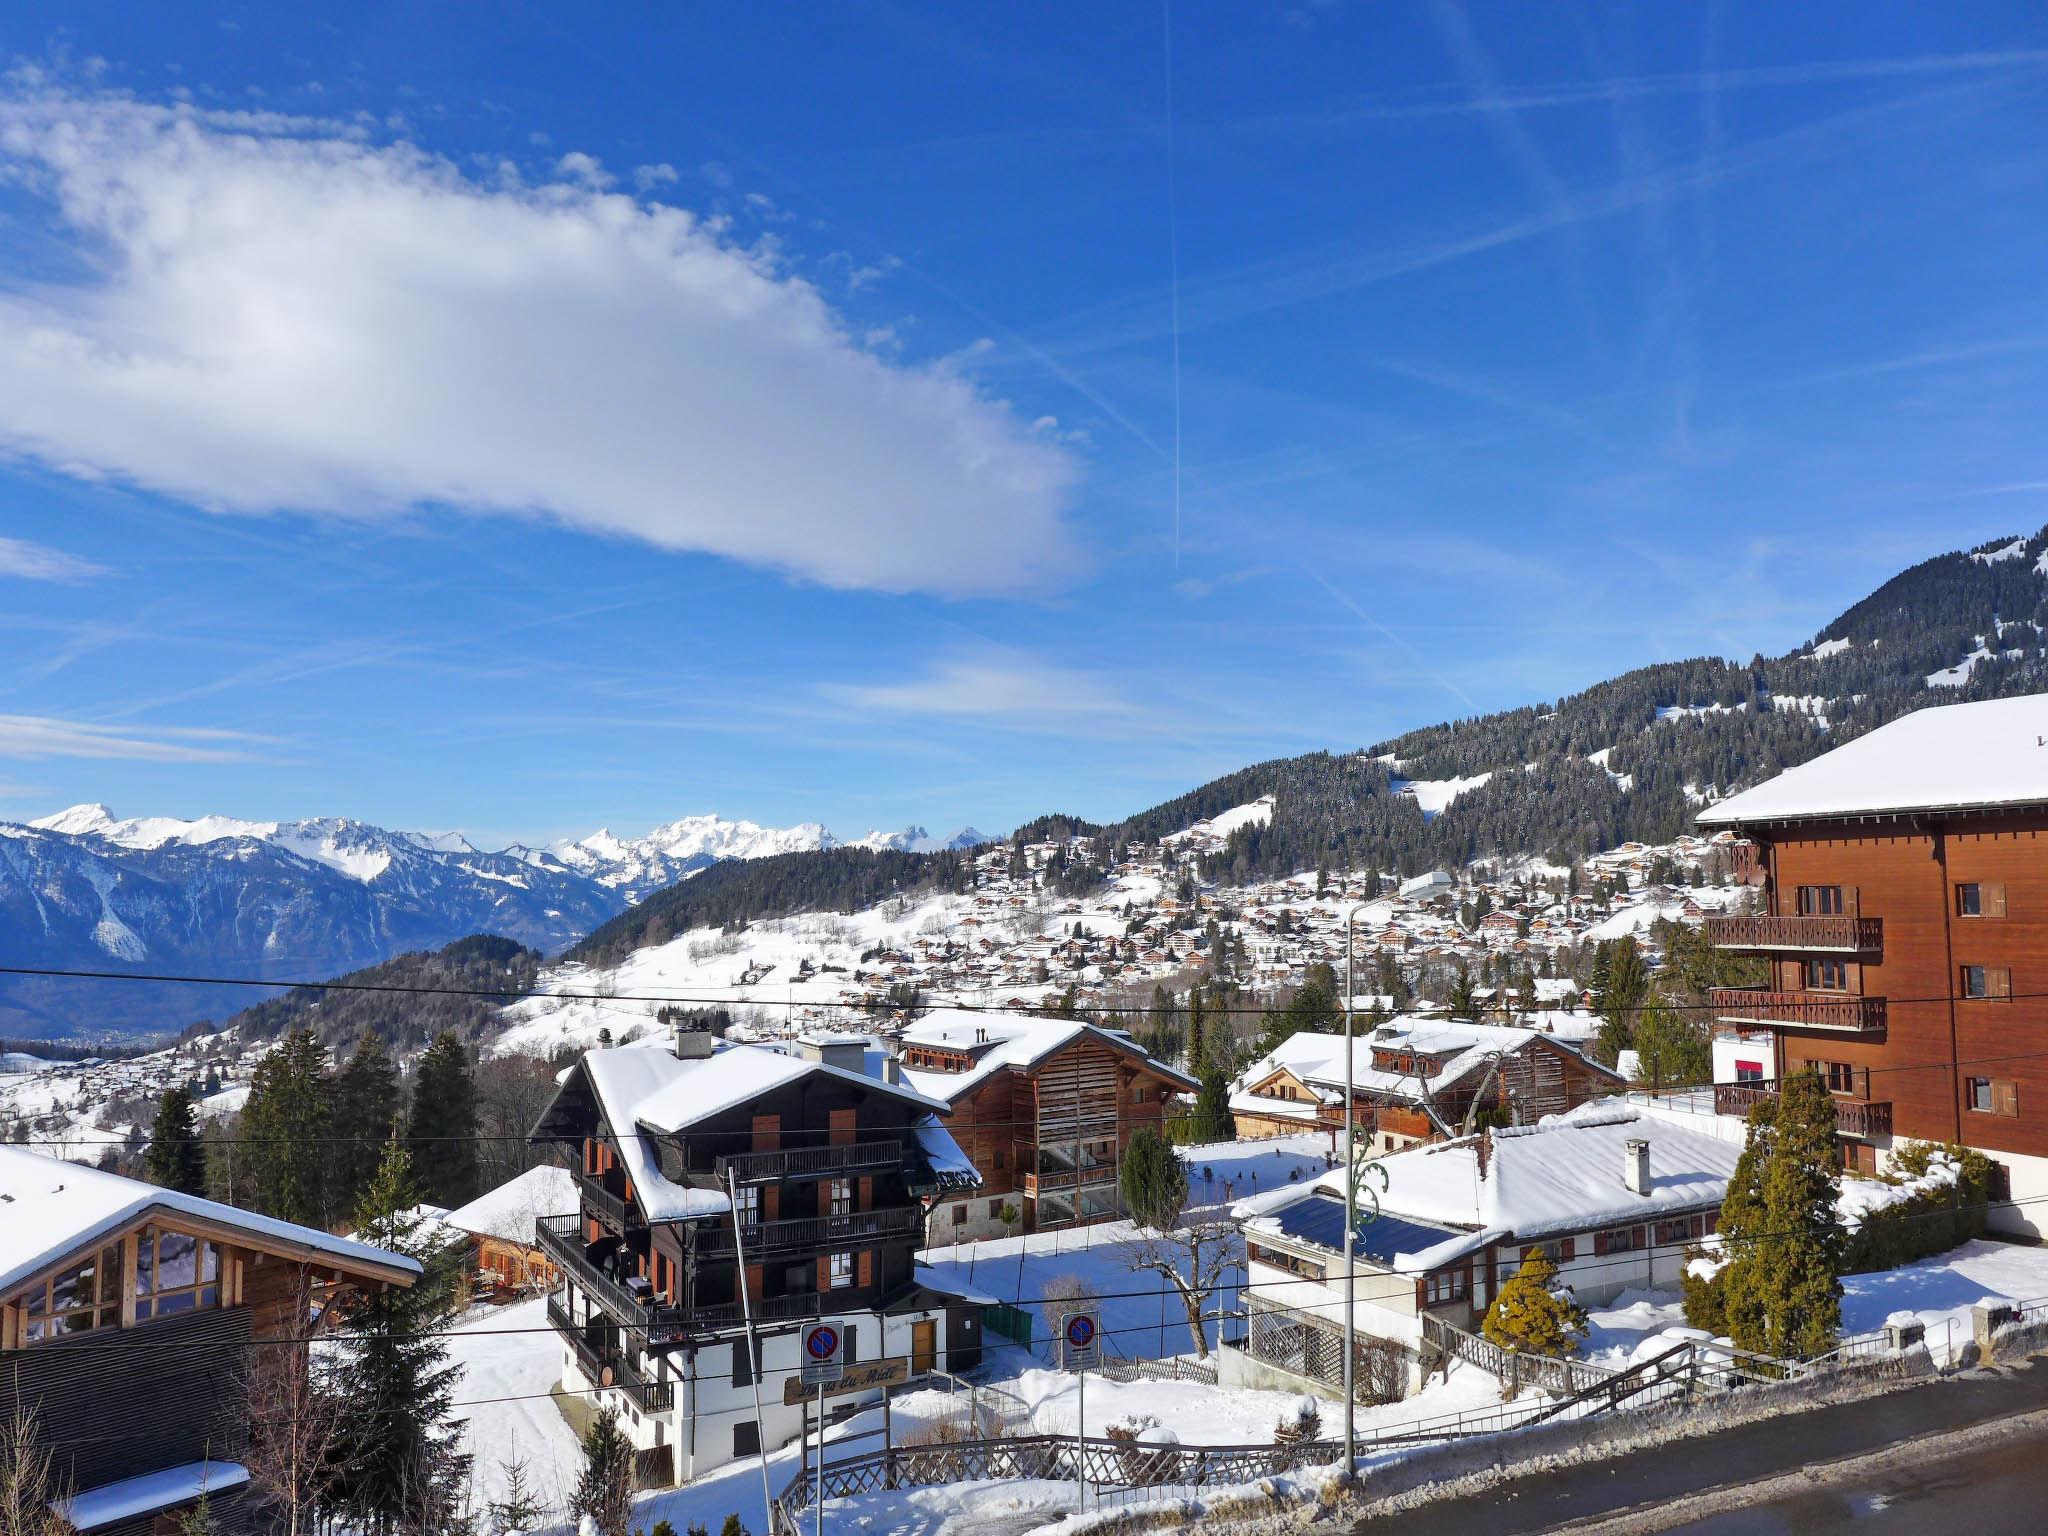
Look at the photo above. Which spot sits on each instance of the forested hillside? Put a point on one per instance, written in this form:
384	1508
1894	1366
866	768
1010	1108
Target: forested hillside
1633	757
482	964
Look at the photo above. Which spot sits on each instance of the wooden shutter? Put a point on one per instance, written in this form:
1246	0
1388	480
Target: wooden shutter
1567	1248
1997	981
864	1272
767	1133
842	1127
2005	1098
824	1272
1991	900
754	1278
771	1202
866	1198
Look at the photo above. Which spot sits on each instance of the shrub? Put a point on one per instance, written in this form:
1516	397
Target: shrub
1929	1221
1531	1317
1706	1298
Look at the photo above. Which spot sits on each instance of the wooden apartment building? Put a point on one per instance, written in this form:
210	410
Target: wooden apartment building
1903	883
1044	1108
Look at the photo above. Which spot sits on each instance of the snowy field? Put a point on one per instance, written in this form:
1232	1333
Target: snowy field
510	1358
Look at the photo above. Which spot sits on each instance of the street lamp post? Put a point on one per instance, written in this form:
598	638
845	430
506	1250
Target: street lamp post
1350	1218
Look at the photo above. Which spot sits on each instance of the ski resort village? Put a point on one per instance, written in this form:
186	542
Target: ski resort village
1140	1195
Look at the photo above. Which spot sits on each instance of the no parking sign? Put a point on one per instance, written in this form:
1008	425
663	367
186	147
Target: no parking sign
824	1360
1080	1340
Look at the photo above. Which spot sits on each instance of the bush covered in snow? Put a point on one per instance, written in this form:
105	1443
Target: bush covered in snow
1933	1199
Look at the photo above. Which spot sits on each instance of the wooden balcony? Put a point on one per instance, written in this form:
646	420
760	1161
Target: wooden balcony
813	1234
561	1238
611	1368
1747	864
1833	935
1853	1117
792	1163
608	1204
1837	1012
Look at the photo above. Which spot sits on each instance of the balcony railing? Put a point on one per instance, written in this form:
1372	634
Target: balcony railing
1842	1012
817	1234
608	1369
1834	935
810	1162
1853	1117
606	1203
1746	863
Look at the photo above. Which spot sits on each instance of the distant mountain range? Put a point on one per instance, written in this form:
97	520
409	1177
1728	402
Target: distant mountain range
87	890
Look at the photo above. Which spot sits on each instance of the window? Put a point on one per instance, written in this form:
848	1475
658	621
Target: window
750	1205
742	1360
1619	1240
1827	976
960	1214
1138	1094
1820	901
1987	981
842	1196
995	1210
999	1159
1679	1229
1992	1096
1839	1075
84	1297
1444	1287
174	1272
1749	1071
842	1270
1979	898
1557	1250
746	1438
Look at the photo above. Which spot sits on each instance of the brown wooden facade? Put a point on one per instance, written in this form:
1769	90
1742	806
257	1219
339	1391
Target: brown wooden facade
1925	1020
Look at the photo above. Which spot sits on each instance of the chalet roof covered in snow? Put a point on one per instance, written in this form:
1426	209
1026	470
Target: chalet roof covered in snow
998	1041
49	1209
1952	758
510	1211
1564	1175
647	1091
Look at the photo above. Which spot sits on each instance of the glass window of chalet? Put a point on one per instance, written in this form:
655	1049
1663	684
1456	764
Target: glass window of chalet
1970	900
1978	1094
842	1197
1827	976
1820	900
1987	981
1444	1287
84	1297
750	1205
174	1272
841	1270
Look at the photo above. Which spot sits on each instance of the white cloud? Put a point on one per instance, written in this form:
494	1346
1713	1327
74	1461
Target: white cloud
992	688
279	315
40	736
38	562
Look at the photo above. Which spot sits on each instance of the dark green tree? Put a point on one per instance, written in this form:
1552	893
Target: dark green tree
1672	1049
1211	1119
1780	1226
442	1128
286	1123
177	1156
399	1445
604	1494
365	1116
1153	1181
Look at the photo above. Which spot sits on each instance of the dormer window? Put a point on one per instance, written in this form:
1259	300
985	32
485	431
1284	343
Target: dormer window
174	1272
82	1298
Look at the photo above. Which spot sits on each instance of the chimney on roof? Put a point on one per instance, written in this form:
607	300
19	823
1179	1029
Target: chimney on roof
1635	1165
849	1053
695	1044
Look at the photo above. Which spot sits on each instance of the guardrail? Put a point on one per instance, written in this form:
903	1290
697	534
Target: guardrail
809	1162
606	1369
814	1233
1833	934
1843	1012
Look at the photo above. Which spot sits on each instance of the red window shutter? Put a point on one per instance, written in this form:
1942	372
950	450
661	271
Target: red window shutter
865	1273
1567	1248
867	1195
767	1133
754	1274
824	1272
1993	900
1998	981
1599	1244
842	1127
771	1203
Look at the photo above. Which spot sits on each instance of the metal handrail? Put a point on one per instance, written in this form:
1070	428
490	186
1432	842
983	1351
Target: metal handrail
806	1162
651	1396
820	1233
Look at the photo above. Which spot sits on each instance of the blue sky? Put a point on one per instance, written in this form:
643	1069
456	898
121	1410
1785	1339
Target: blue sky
540	419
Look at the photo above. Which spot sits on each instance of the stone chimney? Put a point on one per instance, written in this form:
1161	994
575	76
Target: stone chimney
695	1044
849	1053
1635	1165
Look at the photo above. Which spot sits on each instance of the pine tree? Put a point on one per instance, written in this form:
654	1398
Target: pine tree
1780	1226
1671	1050
399	1446
443	1125
1529	1315
1153	1181
177	1157
520	1510
1212	1120
286	1121
604	1494
365	1116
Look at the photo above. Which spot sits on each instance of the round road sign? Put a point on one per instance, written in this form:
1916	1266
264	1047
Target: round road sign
1080	1331
822	1342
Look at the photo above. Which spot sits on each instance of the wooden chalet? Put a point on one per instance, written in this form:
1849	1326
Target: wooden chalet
127	1319
1044	1108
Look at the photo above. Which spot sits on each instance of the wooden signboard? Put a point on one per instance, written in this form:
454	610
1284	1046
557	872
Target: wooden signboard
857	1378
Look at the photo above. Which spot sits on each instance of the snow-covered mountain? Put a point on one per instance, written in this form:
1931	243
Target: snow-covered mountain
914	839
85	889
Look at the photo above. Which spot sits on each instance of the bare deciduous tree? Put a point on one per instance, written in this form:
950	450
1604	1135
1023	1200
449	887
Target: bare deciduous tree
294	1425
28	1482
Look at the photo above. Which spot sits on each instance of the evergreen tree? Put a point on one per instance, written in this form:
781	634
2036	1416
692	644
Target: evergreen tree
177	1157
365	1116
1780	1227
520	1510
442	1127
1672	1050
1529	1315
1212	1120
1462	1003
1153	1181
286	1122
398	1446
604	1494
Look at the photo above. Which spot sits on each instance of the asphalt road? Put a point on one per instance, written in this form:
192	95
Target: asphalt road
1774	1475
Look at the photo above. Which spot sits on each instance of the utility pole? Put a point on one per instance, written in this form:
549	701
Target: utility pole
1350	1215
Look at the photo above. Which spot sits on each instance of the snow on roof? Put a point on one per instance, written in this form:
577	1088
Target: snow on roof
998	1042
50	1208
1954	757
510	1210
1562	1175
134	1497
1317	1058
645	1089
